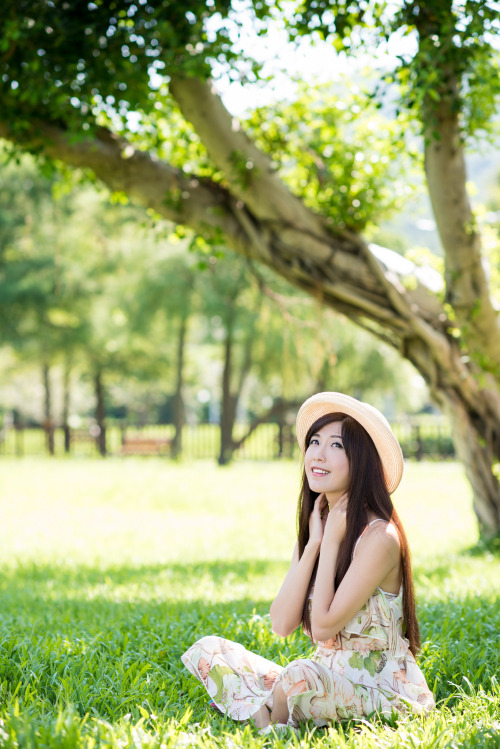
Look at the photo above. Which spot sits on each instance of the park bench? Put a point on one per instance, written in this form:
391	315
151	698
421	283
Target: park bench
145	446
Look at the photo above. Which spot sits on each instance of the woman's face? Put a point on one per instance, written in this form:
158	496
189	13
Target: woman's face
326	464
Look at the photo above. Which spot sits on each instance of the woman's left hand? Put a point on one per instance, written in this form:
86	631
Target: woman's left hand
336	523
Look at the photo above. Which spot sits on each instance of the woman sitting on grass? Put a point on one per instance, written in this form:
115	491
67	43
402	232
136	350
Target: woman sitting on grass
349	585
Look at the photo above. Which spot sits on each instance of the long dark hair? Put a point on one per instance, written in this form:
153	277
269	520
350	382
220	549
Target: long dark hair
367	495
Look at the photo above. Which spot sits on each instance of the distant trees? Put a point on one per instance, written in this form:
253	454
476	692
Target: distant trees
62	266
42	292
87	293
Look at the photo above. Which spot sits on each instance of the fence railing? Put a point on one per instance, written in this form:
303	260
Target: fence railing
431	440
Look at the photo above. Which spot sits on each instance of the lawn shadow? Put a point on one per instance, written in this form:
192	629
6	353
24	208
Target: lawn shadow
122	608
459	625
108	640
92	637
66	576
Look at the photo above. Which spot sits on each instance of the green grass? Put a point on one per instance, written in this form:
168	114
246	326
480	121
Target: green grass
111	569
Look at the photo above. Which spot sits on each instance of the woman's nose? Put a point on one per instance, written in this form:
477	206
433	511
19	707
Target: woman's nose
320	455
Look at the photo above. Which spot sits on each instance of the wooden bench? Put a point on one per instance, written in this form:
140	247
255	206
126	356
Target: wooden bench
145	446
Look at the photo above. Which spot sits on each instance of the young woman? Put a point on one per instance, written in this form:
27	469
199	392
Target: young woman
349	585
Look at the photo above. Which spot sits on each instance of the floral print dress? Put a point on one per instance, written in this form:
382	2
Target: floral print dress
366	668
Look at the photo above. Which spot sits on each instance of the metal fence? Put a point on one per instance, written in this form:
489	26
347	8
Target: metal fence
430	439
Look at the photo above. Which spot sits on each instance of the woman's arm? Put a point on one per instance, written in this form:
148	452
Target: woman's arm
377	555
287	607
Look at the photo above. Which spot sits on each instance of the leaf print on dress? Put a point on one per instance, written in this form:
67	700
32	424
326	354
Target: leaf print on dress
366	668
217	675
322	706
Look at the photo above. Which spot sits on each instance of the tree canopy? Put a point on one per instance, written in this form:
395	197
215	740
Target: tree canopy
131	92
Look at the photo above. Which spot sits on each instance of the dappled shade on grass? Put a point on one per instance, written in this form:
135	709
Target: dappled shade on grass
91	649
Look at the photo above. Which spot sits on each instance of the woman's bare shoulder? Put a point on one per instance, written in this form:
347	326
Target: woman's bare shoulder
382	532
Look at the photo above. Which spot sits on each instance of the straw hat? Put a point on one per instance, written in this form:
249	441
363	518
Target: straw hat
369	417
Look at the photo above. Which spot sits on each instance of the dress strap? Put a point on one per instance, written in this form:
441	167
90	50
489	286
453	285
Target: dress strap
377	520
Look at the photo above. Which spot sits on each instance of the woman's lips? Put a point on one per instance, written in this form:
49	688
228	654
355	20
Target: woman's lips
319	472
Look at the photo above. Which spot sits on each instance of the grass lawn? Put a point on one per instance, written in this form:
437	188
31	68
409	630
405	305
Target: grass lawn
111	569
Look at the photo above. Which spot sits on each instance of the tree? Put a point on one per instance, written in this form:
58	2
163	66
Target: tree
75	76
232	312
73	277
42	299
163	305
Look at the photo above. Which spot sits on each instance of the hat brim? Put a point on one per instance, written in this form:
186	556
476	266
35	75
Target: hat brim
369	417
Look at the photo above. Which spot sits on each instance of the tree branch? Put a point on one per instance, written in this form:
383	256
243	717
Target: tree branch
338	268
331	265
248	170
198	203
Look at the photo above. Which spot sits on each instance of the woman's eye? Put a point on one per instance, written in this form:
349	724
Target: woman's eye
337	444
314	441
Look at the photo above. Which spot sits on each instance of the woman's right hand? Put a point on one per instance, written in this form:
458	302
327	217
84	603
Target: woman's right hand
316	521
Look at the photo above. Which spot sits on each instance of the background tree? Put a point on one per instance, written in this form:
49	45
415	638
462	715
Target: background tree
76	77
165	301
231	307
42	293
72	286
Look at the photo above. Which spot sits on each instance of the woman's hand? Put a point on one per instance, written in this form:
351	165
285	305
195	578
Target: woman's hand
317	520
336	522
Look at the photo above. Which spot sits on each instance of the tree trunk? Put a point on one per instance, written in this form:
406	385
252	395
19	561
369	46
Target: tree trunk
48	423
467	285
230	399
478	455
66	404
229	402
100	413
179	410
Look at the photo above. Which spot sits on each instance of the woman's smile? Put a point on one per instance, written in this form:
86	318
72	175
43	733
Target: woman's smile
319	471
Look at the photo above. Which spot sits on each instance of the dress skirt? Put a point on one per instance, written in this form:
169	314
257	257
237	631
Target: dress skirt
367	668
